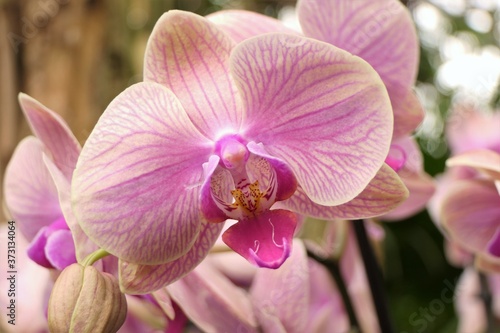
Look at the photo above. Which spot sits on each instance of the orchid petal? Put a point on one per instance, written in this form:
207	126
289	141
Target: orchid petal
484	160
31	300
471	213
143	279
243	24
384	192
421	188
327	312
163	299
319	109
234	267
408	111
264	240
50	128
281	294
470	129
30	194
60	249
218	183
83	245
206	288
136	186
285	179
36	249
380	31
494	244
190	55
413	155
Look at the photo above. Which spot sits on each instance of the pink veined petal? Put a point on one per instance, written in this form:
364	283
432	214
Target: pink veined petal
285	179
384	192
219	181
144	279
322	111
264	240
83	245
243	24
484	160
380	31
471	213
135	190
421	188
50	128
212	302
30	194
281	294
60	249
190	55
408	112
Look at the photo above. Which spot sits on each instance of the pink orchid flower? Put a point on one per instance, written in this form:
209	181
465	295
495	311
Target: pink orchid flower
37	188
217	132
382	33
474	140
470	211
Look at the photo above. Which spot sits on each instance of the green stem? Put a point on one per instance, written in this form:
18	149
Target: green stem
93	257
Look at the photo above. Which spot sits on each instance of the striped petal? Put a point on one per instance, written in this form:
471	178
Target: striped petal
281	296
58	140
484	160
135	189
30	194
143	279
379	31
212	302
471	213
385	192
319	109
190	55
242	24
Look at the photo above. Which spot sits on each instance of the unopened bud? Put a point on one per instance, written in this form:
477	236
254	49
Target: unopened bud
86	300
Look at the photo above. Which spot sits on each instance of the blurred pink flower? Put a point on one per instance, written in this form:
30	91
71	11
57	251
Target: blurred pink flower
36	187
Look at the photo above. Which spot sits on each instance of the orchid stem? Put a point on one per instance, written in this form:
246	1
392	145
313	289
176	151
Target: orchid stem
487	300
93	257
333	268
374	275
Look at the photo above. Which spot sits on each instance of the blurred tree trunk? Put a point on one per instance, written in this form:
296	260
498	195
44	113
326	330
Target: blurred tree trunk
53	52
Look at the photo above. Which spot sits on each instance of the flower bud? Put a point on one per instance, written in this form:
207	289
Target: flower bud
86	300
